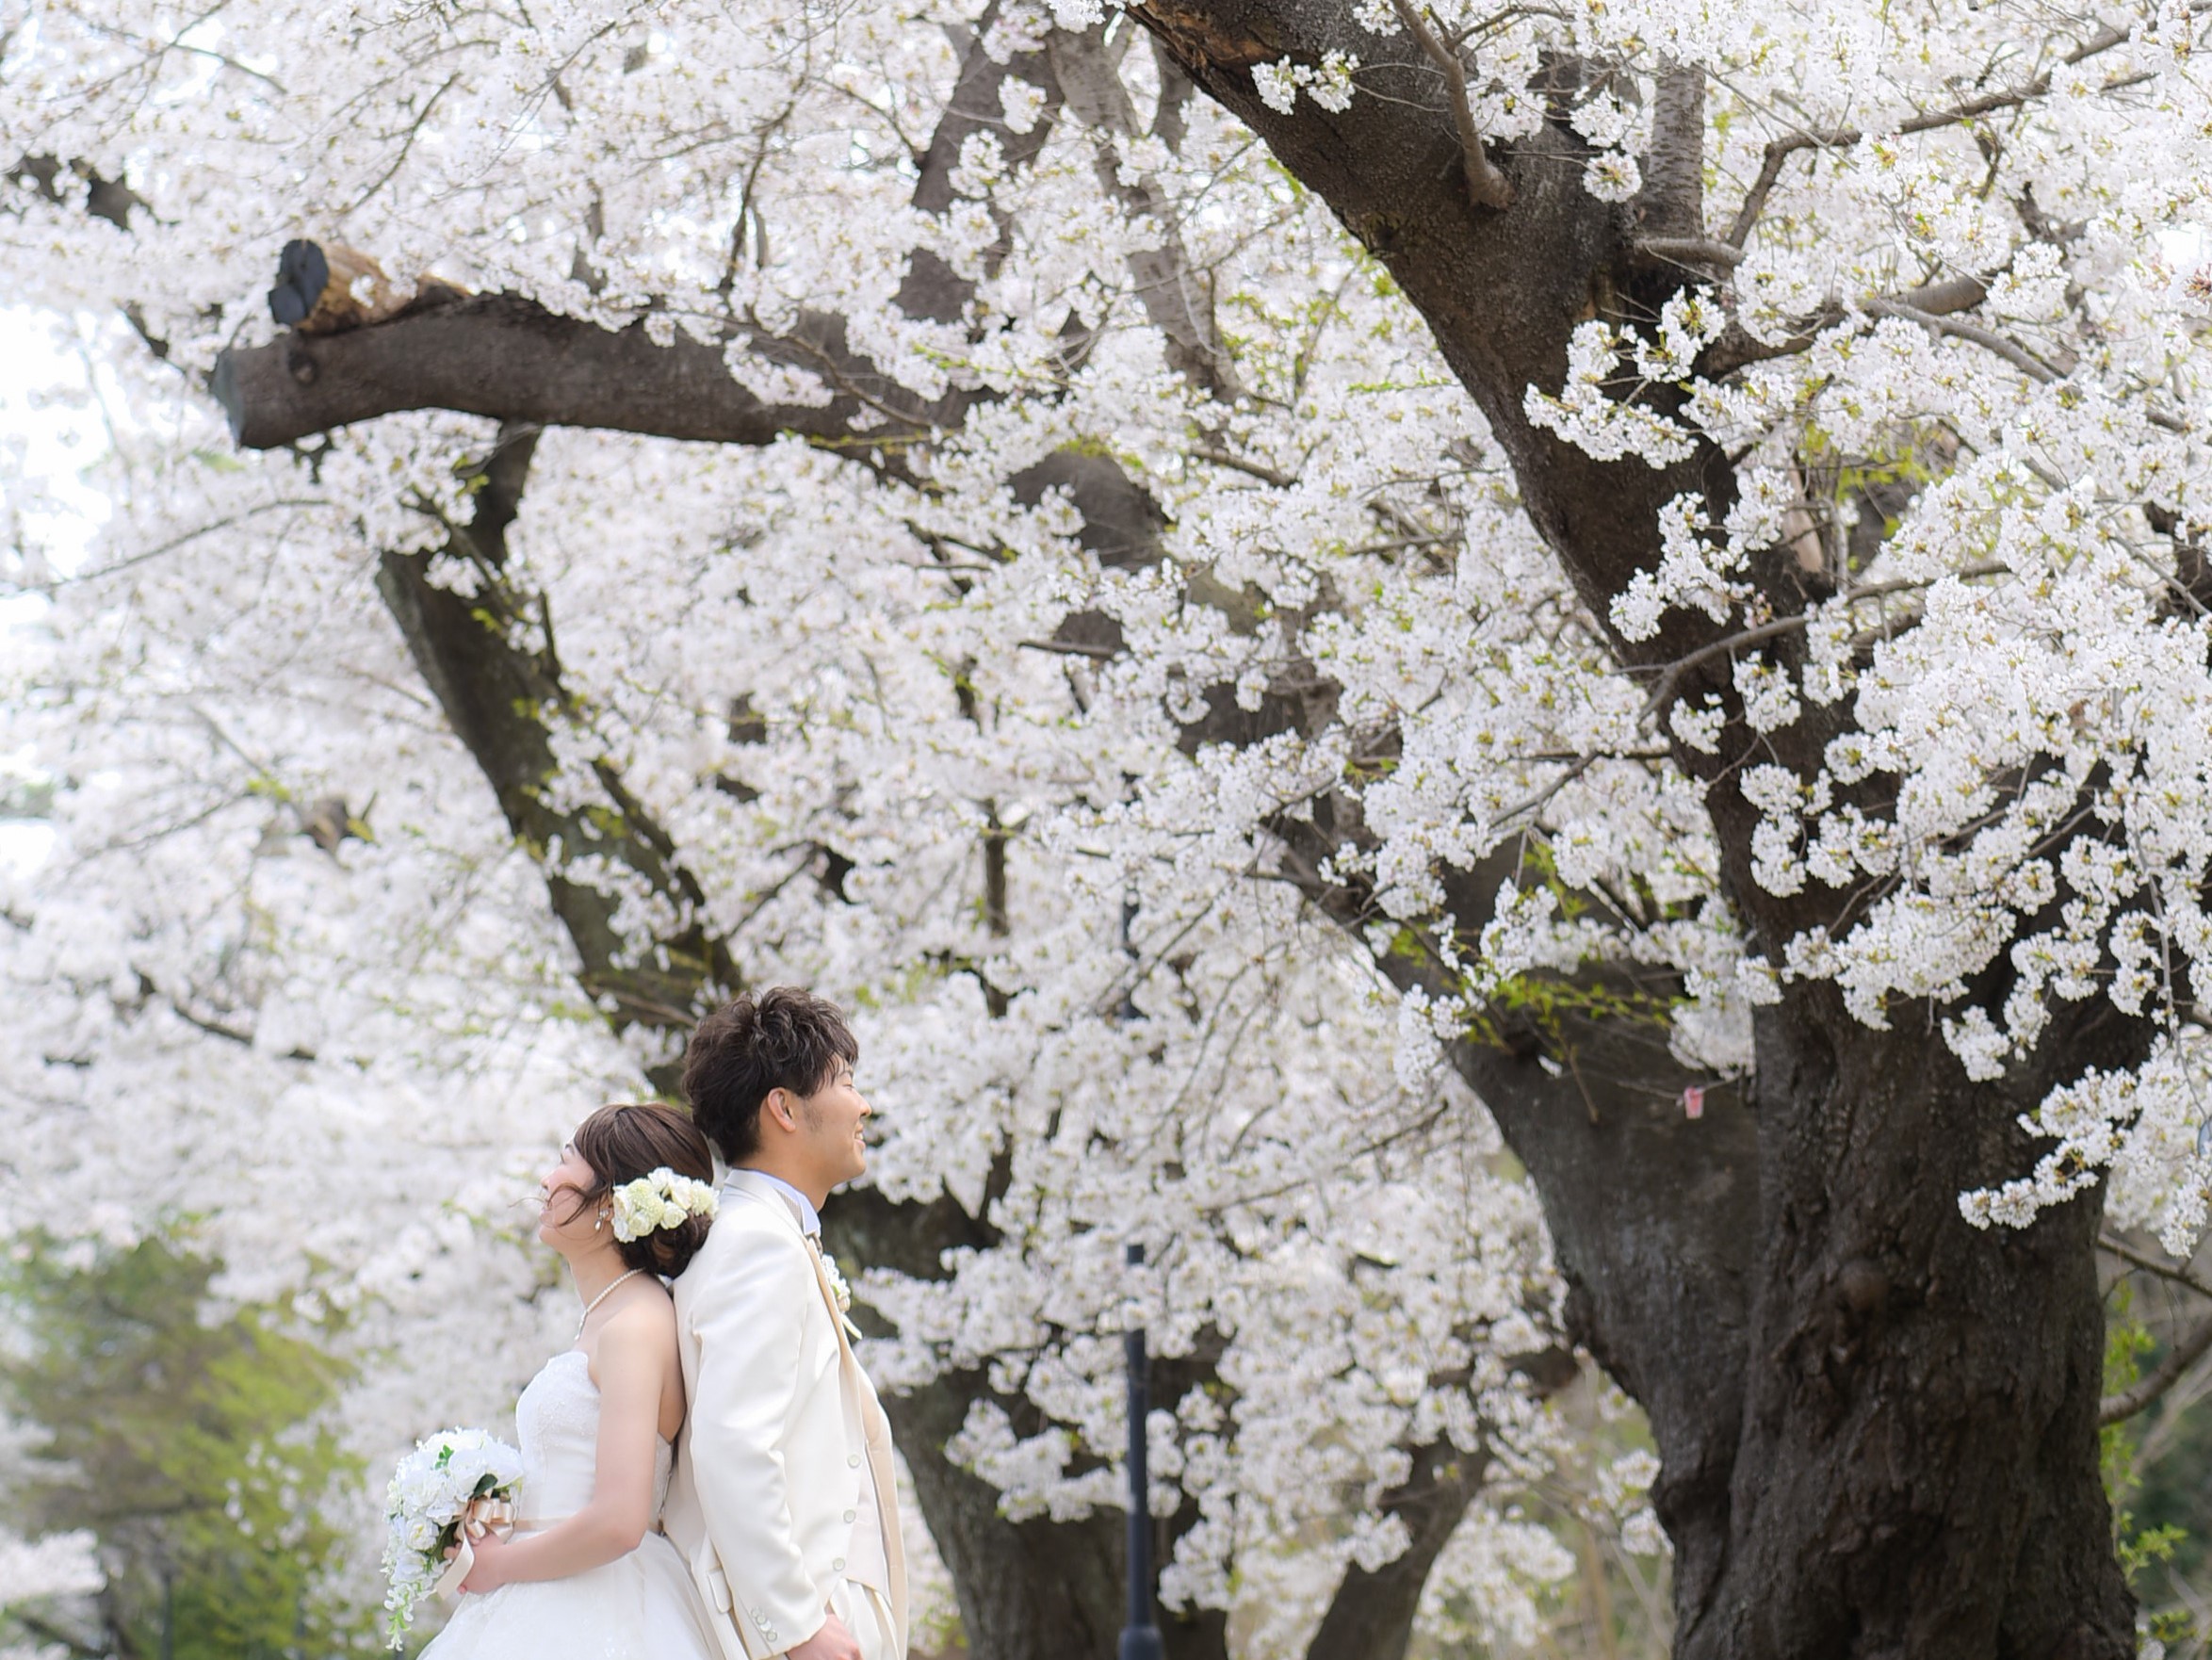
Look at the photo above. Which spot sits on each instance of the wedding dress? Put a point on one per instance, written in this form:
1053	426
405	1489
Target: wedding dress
641	1606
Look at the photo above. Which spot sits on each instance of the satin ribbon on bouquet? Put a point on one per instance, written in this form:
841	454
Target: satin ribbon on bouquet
479	1517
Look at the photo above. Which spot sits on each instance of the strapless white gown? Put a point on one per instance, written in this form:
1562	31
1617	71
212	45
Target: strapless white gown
641	1606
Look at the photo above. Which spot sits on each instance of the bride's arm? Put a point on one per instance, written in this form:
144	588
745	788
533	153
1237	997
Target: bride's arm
636	1355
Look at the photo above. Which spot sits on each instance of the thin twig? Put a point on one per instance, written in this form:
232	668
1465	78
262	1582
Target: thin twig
1671	676
2130	1401
2135	1258
1121	992
1486	186
174	543
1959	327
1780	150
1736	348
1260	470
1068	648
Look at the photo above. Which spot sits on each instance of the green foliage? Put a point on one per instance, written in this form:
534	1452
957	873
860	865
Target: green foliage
184	1438
1545	999
2137	1549
2158	1538
25	798
2127	1340
2174	1512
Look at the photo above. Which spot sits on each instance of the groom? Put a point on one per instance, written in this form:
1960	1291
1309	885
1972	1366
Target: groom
782	1498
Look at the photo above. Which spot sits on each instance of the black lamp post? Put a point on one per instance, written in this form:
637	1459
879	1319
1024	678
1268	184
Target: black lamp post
1140	1637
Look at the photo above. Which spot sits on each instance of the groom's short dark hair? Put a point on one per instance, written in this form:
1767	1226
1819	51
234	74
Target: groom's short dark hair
784	1037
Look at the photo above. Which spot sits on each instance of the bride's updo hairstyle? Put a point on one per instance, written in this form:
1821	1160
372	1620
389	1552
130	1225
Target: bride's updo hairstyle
628	1140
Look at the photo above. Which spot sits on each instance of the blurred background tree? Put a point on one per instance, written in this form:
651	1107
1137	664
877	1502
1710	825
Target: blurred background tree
186	1436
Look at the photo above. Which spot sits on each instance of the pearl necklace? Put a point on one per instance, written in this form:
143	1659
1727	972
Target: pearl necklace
602	1297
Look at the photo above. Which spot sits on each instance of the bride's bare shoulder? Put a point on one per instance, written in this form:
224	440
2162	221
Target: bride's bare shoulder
642	1323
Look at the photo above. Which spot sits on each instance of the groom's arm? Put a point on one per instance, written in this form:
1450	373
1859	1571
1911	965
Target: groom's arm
749	1321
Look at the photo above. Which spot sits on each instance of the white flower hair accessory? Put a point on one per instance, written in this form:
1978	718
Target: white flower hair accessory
659	1200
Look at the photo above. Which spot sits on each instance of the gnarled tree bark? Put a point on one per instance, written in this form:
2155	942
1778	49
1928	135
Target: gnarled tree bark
1878	1425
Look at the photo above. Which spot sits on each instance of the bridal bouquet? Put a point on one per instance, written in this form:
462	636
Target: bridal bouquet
455	1486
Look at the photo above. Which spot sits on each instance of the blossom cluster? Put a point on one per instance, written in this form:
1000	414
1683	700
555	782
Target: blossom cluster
59	1565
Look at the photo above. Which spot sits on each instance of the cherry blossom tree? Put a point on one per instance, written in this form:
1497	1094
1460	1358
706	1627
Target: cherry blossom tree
1669	536
281	879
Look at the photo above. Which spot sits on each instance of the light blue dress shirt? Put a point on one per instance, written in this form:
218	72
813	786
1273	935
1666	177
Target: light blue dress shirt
809	1218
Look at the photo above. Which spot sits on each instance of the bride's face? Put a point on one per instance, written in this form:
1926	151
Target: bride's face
564	1218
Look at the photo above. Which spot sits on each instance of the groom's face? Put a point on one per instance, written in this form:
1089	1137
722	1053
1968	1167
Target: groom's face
835	1121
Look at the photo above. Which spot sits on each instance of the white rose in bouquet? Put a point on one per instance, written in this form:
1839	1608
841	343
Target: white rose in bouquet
457	1481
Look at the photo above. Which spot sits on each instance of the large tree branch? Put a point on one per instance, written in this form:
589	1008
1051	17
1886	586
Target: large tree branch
1170	291
1371	1617
492	689
2160	1379
2185	1352
1501	289
103	198
1486	186
1672	202
511	359
1737	348
932	289
506	356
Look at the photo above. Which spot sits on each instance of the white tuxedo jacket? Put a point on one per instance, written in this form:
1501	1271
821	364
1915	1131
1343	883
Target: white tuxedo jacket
783	1428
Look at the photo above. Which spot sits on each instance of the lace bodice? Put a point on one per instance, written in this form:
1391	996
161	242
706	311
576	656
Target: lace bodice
557	1422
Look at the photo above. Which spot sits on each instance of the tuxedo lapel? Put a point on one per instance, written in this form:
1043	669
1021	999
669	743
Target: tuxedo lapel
886	1489
875	1431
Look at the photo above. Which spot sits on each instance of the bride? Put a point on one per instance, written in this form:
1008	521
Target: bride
586	1575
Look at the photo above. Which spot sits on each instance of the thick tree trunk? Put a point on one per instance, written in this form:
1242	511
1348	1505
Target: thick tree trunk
1027	1590
1878	1425
1917	1471
1371	1617
1033	1590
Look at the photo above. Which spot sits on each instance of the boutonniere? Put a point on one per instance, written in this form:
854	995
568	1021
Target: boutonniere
839	1289
840	1294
